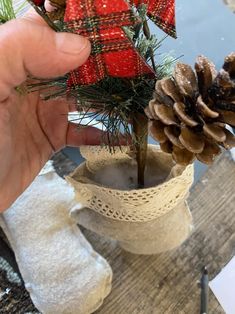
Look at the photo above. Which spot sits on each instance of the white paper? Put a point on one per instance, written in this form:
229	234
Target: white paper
223	287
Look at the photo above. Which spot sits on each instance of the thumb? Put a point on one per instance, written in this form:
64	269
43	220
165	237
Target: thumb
30	48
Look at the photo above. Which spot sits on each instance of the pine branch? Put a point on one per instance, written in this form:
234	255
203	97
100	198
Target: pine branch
114	102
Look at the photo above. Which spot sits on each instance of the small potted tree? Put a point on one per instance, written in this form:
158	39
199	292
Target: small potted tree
136	193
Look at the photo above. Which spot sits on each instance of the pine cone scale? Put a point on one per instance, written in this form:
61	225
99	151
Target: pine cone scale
169	88
230	140
229	65
205	110
228	117
185	80
150	110
157	131
182	156
166	147
172	134
166	114
211	150
191	141
215	132
179	108
206	73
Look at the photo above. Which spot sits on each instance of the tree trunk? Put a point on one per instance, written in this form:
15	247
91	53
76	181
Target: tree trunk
140	130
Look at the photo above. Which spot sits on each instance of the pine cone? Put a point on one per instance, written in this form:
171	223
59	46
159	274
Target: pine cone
190	111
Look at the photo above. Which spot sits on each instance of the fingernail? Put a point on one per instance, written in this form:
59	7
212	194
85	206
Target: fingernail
71	43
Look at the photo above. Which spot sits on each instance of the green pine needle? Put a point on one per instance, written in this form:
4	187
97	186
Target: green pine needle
7	12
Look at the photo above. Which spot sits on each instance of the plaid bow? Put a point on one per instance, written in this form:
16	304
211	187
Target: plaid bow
113	54
161	12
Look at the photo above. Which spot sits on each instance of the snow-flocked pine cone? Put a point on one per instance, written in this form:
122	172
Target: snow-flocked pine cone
190	111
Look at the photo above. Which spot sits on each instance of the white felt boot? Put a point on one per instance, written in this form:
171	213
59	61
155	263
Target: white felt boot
61	271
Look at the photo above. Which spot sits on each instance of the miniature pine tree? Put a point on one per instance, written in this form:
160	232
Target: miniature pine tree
117	82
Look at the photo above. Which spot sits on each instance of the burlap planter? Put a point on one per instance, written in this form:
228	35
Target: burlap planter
147	221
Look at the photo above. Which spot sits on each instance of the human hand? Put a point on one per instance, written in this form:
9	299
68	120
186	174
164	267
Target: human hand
31	129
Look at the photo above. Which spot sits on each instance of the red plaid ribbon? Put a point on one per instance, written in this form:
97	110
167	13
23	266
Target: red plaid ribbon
113	54
161	12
